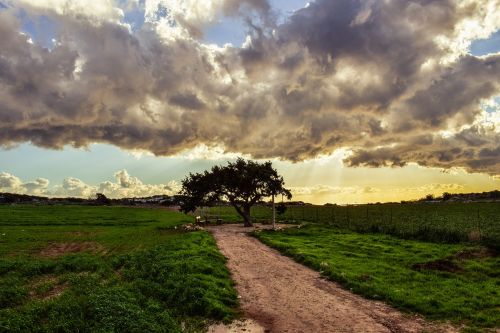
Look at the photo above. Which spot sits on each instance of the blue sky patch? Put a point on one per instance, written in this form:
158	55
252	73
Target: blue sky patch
482	47
41	29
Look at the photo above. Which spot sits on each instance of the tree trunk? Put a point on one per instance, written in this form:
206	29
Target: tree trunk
247	219
244	211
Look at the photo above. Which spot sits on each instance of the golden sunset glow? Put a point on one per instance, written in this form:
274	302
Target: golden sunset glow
353	101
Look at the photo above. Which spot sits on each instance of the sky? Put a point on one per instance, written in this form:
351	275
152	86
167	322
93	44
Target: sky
352	100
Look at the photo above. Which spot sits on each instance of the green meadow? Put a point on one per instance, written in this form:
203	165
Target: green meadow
445	282
67	268
108	269
435	222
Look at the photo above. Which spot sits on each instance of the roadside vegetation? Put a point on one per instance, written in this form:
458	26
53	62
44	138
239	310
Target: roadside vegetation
455	282
108	269
435	222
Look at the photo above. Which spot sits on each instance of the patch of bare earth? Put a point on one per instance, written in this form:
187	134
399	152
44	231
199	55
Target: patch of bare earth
59	249
46	288
479	253
453	263
284	296
246	325
445	265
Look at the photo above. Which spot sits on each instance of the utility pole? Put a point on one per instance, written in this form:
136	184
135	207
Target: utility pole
274	215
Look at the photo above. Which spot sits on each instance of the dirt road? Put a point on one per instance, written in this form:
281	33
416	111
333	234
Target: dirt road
284	296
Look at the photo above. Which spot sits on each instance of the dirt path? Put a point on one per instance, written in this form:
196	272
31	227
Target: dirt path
284	296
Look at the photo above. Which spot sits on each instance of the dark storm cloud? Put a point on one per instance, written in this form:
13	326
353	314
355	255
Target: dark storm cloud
457	92
380	78
441	152
187	100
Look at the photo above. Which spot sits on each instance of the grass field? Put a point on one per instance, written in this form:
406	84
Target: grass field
115	269
108	269
437	222
456	282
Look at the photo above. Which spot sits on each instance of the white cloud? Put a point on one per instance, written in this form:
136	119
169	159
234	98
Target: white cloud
74	187
484	21
125	180
129	186
11	183
100	10
37	187
205	152
124	185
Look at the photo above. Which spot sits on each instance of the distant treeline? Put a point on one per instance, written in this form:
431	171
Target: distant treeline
465	197
98	199
166	200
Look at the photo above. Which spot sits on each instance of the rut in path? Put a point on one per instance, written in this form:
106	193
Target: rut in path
284	296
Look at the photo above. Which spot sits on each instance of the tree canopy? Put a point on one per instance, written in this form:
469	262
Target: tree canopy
242	183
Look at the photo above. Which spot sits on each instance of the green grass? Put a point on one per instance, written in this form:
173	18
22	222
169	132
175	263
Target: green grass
387	268
437	222
138	273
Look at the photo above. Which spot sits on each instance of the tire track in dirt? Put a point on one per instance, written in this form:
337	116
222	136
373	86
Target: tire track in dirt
284	296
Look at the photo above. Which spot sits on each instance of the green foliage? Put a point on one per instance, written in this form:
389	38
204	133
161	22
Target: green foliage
243	183
119	310
436	222
146	276
439	281
281	208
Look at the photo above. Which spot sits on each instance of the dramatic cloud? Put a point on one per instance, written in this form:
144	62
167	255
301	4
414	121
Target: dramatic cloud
390	81
125	185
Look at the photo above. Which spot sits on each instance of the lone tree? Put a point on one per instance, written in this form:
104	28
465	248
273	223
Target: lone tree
101	199
242	183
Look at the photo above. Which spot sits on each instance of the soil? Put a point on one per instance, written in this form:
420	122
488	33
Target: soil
444	265
280	295
479	253
55	291
60	249
452	263
246	325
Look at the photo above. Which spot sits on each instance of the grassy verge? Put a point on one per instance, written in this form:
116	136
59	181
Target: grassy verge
108	269
455	282
435	222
